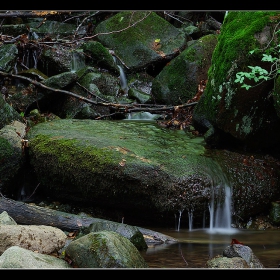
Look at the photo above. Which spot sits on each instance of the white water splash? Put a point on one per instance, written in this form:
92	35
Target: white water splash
123	80
220	210
190	215
77	62
179	219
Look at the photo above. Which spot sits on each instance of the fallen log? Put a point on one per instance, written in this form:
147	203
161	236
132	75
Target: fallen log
29	214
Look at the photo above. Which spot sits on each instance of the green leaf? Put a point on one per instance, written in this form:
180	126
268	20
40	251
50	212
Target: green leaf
245	86
268	58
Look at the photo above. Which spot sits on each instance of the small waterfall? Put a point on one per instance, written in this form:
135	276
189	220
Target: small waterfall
179	219
143	116
34	54
77	62
123	80
220	210
190	215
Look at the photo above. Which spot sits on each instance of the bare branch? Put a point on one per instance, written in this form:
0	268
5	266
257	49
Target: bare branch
121	108
115	31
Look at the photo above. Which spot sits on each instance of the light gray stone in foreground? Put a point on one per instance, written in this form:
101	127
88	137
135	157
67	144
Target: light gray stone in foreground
17	257
5	219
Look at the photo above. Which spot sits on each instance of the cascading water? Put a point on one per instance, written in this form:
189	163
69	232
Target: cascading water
77	62
179	219
190	215
220	210
220	219
123	80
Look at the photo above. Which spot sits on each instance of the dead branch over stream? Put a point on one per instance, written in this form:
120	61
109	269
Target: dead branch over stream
122	108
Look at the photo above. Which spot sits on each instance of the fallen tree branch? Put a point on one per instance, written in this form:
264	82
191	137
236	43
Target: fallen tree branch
121	108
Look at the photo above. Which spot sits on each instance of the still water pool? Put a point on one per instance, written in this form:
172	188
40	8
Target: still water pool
195	247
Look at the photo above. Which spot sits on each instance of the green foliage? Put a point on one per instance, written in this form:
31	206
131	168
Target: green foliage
259	74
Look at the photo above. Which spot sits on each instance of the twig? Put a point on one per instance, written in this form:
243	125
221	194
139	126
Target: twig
115	31
184	258
76	32
126	108
33	191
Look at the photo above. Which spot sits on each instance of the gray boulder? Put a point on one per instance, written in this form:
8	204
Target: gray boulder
17	257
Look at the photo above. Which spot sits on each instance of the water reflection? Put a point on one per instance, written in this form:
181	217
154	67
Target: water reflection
197	246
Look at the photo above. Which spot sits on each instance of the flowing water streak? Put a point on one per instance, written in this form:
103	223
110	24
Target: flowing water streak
179	219
77	62
123	80
220	206
190	215
34	54
220	210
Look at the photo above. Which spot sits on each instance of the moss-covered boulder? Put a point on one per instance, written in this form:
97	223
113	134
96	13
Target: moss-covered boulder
7	113
122	165
8	53
132	233
178	81
104	249
228	109
140	37
99	56
11	152
62	80
145	171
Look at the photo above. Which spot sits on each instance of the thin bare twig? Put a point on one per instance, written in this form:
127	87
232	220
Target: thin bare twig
184	258
33	191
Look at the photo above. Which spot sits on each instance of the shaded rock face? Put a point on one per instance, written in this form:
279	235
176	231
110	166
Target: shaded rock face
243	116
274	213
7	54
254	180
11	156
7	113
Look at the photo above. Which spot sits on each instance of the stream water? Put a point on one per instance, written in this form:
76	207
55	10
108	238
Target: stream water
195	247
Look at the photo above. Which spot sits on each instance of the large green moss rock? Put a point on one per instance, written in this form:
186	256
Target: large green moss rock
139	37
132	233
143	170
237	114
104	249
178	81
